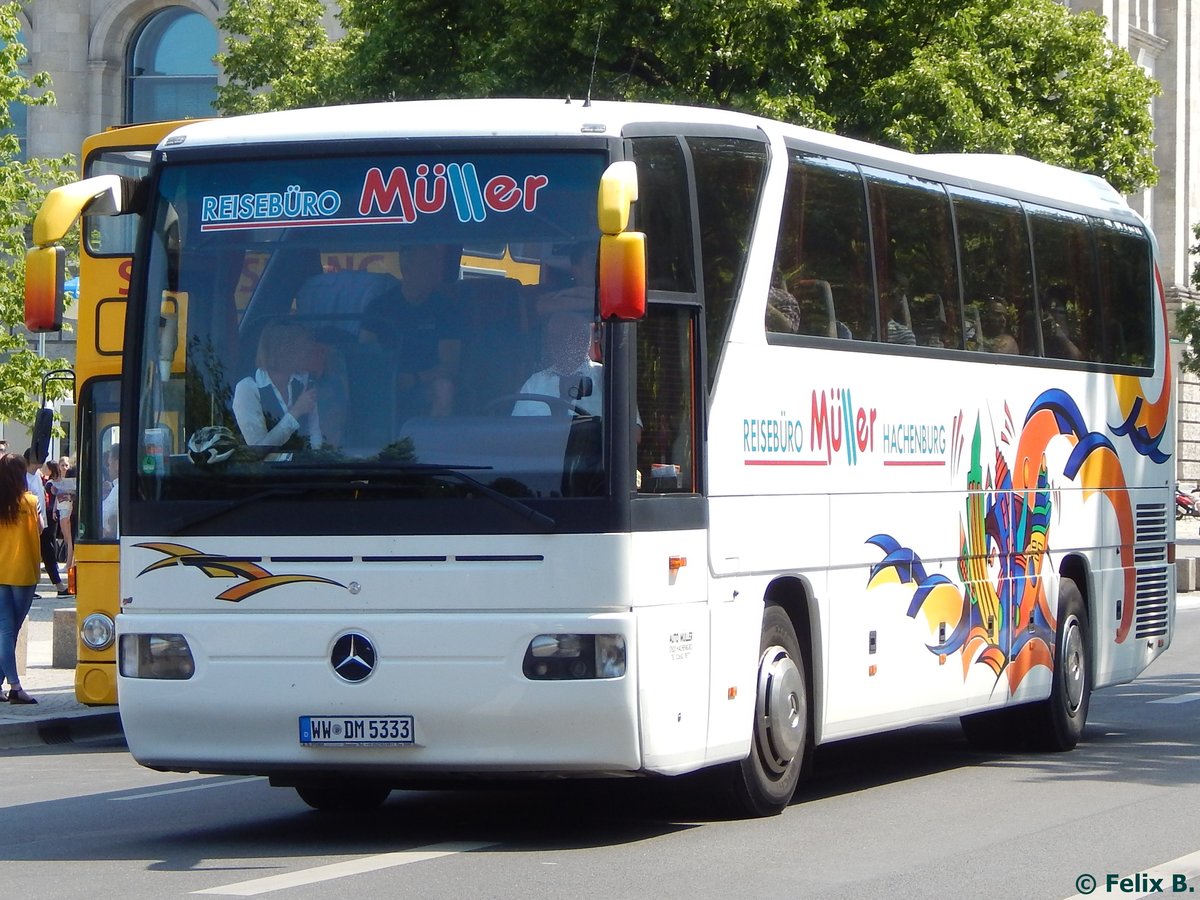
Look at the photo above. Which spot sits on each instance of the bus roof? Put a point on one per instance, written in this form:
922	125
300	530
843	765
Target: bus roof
1008	174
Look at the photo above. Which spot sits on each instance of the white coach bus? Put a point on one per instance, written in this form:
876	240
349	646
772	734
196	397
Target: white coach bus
514	438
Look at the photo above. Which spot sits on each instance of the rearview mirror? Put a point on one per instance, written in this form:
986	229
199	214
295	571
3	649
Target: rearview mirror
622	269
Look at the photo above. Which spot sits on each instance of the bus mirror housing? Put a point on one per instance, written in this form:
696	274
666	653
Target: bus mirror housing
45	262
622	268
45	274
623	275
101	195
618	190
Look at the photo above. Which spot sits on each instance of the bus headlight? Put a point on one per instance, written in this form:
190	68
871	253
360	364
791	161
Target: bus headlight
166	656
97	631
558	657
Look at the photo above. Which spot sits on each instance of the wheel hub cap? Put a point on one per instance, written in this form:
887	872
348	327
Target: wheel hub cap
781	714
1073	671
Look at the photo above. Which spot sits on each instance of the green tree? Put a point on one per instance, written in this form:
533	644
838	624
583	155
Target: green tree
279	56
1003	76
23	185
998	76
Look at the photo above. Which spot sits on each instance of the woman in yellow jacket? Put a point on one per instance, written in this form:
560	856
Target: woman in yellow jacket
20	555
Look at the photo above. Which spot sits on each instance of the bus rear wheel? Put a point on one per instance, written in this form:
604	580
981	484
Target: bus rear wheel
764	782
343	795
1056	723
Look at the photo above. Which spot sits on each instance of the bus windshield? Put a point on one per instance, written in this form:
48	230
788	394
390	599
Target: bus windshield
417	325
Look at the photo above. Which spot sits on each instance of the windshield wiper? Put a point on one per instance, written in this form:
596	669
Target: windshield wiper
544	523
210	514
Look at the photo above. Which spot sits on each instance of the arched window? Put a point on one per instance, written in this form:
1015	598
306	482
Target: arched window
171	74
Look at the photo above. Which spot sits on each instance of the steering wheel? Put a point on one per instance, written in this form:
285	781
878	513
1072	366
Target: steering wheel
558	406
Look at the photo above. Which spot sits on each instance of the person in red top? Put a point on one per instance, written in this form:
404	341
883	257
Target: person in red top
20	555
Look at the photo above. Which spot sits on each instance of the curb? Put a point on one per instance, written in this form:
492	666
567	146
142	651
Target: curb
87	726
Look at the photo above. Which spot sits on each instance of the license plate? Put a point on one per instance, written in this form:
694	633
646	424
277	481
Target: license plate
357	731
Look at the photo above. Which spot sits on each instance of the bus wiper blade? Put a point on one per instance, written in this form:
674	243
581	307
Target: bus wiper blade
209	515
524	510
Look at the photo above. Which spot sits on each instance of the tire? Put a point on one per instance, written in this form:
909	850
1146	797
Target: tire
1056	723
343	796
764	782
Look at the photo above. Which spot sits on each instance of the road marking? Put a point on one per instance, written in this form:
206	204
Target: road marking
1187	866
341	870
1179	698
191	787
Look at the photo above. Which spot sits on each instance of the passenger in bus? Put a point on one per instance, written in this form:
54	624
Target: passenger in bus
1056	327
110	526
783	311
997	332
897	319
277	405
571	374
418	322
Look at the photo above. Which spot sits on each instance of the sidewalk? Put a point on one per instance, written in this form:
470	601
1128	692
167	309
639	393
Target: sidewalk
57	718
1187	538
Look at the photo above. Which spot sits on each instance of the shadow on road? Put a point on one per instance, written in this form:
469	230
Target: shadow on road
1130	739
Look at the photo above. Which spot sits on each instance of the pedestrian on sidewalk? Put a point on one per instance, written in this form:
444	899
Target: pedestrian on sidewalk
61	478
19	550
37	487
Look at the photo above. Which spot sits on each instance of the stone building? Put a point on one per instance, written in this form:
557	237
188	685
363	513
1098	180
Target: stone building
1163	37
119	61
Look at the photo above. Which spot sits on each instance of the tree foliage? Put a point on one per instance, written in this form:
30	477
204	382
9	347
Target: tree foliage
23	185
1004	76
279	56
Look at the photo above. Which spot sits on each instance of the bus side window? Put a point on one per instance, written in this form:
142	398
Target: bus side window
666	400
819	262
914	260
1065	257
1126	279
729	176
99	432
997	271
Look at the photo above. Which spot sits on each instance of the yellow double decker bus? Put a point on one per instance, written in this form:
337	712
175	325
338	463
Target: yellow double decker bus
105	264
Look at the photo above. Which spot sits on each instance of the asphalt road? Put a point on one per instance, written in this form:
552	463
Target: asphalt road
914	813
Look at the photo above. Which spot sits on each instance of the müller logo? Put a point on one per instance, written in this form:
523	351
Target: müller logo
398	197
427	192
257	578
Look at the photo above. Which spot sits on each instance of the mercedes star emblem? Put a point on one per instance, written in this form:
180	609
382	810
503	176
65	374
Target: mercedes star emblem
353	657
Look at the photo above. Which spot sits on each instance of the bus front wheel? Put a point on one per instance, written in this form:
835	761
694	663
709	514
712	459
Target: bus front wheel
763	783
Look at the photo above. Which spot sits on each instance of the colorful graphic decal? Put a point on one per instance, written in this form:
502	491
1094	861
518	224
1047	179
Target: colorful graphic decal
1001	616
1145	420
257	578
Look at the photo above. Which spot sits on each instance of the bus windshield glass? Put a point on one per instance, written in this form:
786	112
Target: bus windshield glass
412	325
